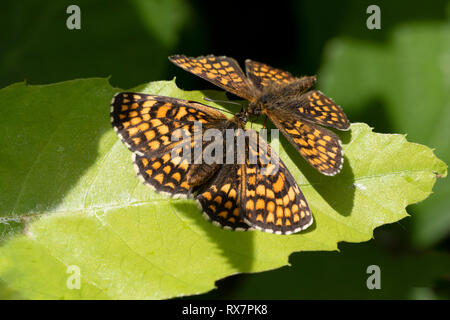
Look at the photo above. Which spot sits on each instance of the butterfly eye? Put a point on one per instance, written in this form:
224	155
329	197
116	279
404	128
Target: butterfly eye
256	111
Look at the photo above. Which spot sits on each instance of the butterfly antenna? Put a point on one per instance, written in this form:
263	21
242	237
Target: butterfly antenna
221	101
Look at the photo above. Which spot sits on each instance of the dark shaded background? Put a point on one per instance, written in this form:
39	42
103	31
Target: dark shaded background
130	41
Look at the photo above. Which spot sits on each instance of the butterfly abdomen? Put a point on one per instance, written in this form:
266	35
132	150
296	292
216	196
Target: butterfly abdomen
200	173
297	87
269	101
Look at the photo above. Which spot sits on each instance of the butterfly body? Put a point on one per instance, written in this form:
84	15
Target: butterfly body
298	112
275	97
200	172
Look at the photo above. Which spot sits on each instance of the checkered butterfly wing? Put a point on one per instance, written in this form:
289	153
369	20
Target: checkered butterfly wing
219	70
220	197
272	200
158	130
261	193
319	146
314	106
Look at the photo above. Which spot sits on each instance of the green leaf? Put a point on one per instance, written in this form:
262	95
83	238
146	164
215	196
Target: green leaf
64	173
407	79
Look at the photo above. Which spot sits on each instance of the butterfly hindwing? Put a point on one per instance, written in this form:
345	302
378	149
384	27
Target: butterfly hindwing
316	107
220	199
319	146
163	174
220	70
273	202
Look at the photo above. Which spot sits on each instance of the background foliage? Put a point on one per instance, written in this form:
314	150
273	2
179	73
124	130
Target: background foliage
396	79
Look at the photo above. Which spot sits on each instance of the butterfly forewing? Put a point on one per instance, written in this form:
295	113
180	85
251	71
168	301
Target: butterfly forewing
221	71
146	123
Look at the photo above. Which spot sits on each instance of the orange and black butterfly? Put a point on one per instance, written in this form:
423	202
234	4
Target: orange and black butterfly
259	194
297	111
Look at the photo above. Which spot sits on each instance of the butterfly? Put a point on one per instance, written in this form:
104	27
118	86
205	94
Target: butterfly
240	195
298	112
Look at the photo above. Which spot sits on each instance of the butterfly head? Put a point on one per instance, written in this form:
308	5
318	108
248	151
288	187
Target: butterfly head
241	118
255	108
265	100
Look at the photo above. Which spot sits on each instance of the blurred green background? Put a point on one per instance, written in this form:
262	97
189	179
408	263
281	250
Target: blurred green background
396	79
